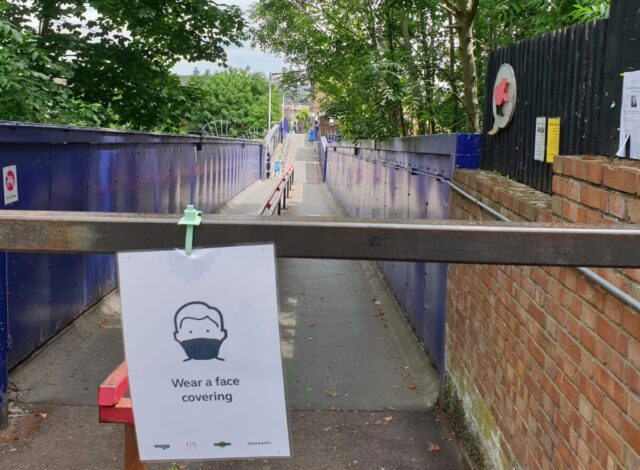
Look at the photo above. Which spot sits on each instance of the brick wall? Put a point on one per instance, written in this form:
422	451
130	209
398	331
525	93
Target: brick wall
546	363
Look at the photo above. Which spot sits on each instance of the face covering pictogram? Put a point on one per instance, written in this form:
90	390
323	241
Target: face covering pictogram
199	328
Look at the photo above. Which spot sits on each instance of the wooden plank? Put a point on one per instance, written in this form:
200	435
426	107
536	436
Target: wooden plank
131	454
114	386
120	413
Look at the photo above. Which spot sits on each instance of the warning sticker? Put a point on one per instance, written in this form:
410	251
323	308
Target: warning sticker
10	184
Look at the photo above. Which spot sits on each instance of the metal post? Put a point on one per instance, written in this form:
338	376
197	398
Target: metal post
283	93
269	126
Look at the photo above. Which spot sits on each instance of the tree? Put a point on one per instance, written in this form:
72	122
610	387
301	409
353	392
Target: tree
303	119
400	67
122	51
32	85
232	102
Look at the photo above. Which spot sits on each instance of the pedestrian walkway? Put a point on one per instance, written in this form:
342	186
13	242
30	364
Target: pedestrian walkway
360	390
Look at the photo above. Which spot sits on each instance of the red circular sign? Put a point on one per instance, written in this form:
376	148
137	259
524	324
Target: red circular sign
10	180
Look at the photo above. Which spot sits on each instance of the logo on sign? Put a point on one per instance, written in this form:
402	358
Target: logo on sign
10	186
505	93
10	180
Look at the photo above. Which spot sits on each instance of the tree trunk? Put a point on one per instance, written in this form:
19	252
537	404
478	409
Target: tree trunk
416	91
465	15
452	63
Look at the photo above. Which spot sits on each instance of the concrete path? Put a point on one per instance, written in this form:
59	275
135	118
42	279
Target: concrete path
360	390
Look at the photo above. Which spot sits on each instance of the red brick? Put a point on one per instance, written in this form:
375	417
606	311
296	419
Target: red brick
612	335
587	340
560	185
633	274
634	407
590	390
631	459
588	316
634	352
618	206
594	296
631	433
609	435
631	322
568	390
584	454
594	197
594	217
633	210
622	179
632	378
570	346
611	413
570	278
537	314
587	363
558	165
565	454
586	409
595	172
611	387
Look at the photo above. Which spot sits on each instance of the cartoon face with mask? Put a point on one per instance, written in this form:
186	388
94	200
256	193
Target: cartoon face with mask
200	331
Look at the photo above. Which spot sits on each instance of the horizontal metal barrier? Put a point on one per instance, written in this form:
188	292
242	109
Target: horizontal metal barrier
465	242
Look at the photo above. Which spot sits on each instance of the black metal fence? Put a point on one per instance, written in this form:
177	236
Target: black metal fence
573	74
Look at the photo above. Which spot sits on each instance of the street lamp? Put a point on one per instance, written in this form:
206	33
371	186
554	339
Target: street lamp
271	75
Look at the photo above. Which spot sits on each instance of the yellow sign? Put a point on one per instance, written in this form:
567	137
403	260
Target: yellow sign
553	139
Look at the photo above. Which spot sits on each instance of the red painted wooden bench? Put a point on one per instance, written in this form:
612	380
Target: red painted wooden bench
114	407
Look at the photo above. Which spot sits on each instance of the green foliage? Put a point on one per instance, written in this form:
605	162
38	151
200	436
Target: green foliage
28	91
119	53
393	67
237	99
590	10
303	119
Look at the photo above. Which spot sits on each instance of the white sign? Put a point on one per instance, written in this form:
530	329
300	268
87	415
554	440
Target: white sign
10	184
505	98
541	139
202	345
630	117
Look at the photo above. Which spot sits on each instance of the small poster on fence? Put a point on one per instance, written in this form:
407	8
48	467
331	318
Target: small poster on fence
202	345
630	117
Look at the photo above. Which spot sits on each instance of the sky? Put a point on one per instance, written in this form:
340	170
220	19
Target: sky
239	57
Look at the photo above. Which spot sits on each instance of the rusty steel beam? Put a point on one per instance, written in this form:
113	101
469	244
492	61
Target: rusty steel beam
330	238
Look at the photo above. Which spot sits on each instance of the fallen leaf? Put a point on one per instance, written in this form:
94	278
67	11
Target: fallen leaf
103	323
333	408
330	393
42	415
431	447
378	422
388	418
411	386
301	415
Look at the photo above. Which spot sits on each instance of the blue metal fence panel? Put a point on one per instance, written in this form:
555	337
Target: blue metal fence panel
399	179
72	169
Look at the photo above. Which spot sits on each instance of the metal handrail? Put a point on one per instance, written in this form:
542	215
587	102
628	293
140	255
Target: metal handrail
590	274
277	201
467	242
